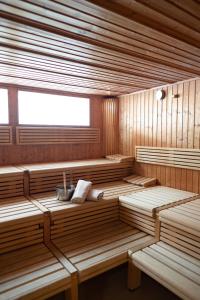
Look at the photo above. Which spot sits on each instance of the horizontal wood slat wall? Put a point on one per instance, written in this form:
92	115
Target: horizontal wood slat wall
111	125
174	157
173	122
5	135
56	135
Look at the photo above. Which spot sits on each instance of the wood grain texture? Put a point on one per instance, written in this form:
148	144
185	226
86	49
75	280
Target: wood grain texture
173	122
110	109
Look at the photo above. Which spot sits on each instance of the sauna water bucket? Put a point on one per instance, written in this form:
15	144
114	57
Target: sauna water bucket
62	195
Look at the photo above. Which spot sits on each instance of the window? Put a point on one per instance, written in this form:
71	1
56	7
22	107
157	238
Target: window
47	109
4	106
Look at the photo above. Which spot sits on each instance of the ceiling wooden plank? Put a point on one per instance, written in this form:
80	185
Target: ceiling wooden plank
99	47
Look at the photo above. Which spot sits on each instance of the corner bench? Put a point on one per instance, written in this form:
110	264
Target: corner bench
29	269
90	235
173	261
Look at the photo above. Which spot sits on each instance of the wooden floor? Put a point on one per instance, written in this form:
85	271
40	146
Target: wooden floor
112	286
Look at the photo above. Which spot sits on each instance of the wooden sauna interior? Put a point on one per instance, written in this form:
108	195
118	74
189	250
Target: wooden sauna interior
136	64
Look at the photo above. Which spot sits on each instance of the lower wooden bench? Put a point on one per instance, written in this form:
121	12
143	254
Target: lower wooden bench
176	270
34	272
101	247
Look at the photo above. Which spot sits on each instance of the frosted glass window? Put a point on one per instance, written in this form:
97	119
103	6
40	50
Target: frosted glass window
47	109
4	119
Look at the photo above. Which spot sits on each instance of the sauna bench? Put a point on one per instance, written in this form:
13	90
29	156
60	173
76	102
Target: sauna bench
45	177
140	209
91	235
175	260
34	273
11	182
180	227
21	224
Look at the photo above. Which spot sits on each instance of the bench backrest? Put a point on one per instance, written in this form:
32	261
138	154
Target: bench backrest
172	157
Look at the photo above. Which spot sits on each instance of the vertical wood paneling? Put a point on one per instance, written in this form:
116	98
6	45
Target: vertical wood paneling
173	122
110	109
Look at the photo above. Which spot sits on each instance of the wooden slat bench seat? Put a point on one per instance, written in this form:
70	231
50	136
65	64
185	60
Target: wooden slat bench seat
32	273
180	227
100	247
45	177
171	267
175	260
11	182
93	231
21	224
115	189
139	209
28	269
141	180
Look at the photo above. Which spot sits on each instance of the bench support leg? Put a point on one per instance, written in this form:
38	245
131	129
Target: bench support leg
73	292
134	276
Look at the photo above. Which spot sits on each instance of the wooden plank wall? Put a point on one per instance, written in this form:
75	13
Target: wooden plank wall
111	125
22	154
175	122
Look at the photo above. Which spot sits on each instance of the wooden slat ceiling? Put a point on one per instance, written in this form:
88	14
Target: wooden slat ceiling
99	47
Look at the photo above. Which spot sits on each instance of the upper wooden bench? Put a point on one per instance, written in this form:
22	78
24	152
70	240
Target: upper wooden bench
11	182
45	177
140	209
174	261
